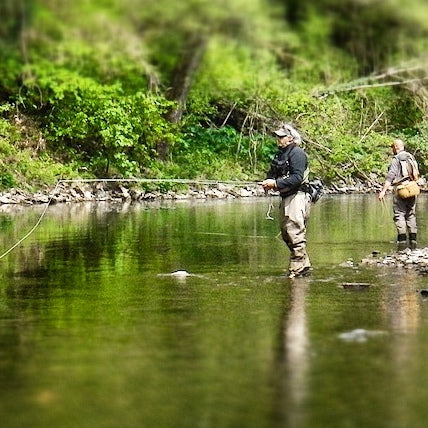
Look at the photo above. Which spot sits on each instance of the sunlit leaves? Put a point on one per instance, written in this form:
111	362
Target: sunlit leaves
96	74
101	122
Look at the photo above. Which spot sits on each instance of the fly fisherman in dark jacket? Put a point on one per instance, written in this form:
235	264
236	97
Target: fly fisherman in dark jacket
288	171
404	209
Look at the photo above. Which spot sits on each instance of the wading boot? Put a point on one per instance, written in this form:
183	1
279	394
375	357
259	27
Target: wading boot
412	241
401	241
300	274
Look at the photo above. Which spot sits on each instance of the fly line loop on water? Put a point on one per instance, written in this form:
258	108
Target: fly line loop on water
235	183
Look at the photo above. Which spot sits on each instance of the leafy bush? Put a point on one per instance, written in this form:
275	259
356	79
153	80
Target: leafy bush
103	125
25	167
212	151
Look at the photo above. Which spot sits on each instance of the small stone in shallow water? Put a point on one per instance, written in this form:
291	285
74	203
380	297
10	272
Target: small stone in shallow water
348	263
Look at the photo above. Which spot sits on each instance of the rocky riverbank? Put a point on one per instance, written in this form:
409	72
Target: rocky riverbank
81	191
122	191
416	260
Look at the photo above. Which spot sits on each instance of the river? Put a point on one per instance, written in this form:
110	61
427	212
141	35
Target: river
96	332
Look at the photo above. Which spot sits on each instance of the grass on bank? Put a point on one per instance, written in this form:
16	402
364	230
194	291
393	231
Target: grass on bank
24	162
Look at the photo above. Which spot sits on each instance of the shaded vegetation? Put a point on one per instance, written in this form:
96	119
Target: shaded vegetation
192	89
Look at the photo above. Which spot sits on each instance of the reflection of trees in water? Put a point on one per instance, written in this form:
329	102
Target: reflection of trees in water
56	236
293	359
155	235
71	241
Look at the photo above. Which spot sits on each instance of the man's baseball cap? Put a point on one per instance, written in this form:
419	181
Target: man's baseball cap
287	130
282	132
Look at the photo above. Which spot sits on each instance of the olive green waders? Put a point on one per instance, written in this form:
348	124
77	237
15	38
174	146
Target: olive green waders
294	212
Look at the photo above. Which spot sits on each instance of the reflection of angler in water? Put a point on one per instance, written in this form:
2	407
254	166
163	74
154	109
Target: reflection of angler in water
402	303
401	306
293	360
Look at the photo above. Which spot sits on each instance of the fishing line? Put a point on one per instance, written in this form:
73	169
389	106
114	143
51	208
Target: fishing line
385	210
164	180
268	214
136	180
34	227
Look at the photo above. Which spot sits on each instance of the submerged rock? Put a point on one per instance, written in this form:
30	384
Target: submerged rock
180	273
359	335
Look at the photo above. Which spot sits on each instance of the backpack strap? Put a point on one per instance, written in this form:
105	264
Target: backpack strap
404	168
409	167
415	168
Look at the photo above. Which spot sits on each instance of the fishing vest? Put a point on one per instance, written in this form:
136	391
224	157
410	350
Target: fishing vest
280	166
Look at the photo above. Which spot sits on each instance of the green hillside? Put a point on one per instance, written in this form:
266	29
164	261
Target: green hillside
192	89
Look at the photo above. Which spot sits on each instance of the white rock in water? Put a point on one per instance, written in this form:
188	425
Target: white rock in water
180	273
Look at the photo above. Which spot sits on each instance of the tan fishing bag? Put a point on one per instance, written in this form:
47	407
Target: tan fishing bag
410	171
408	189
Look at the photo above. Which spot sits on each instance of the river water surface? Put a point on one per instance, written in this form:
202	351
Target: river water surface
96	332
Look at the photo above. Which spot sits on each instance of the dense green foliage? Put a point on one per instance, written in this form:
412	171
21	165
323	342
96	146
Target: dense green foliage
192	89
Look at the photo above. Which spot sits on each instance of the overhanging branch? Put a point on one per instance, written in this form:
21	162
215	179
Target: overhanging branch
370	86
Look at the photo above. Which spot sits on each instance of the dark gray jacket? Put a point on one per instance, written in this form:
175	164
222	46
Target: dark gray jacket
288	168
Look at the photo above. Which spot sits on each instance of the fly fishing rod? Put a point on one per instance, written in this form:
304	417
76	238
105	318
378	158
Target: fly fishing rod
236	183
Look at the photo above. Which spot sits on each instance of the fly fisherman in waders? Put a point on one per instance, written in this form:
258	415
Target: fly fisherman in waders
402	168
288	171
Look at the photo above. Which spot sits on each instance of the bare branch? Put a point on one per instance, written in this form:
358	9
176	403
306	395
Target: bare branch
370	86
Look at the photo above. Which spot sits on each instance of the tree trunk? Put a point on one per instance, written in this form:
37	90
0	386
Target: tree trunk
181	82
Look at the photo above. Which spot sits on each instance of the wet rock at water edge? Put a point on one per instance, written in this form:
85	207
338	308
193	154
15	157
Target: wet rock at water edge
355	285
416	260
423	269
